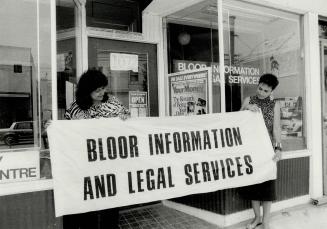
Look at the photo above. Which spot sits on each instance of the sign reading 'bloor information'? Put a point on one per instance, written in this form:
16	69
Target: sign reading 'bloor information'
106	163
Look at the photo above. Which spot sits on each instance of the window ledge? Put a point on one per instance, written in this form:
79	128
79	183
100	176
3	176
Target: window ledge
24	187
296	154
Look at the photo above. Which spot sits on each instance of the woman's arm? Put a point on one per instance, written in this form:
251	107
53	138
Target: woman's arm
277	132
247	106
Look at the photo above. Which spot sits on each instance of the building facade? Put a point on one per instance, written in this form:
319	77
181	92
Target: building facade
138	44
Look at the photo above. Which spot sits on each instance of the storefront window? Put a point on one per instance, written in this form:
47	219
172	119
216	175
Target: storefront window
257	40
25	89
193	45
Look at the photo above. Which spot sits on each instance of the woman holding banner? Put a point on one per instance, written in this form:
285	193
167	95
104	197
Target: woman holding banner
264	192
92	101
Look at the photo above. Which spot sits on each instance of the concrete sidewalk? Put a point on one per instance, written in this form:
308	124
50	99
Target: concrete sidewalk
301	217
158	216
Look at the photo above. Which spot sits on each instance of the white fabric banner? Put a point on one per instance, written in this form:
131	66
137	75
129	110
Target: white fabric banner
106	163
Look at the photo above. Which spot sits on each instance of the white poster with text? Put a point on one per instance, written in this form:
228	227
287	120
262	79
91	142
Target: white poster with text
106	163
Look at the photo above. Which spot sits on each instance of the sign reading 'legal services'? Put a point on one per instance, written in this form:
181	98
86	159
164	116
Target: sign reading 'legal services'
107	163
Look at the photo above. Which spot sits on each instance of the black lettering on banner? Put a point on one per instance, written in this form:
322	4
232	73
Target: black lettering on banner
206	140
150	181
205	171
239	166
88	191
159	144
122	144
196	140
248	163
133	148
111	185
91	146
130	183
237	136
222	138
214	131
188	170
196	172
150	144
177	142
100	188
186	141
161	178
139	181
167	142
223	169
228	136
170	178
230	163
102	158
215	169
111	145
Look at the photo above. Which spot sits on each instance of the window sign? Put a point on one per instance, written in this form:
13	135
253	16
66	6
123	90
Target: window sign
19	166
123	62
138	104
236	74
188	92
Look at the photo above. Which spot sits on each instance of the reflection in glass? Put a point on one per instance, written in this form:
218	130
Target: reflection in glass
260	40
18	75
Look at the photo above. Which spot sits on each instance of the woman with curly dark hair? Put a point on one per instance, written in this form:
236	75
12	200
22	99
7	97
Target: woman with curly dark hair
93	101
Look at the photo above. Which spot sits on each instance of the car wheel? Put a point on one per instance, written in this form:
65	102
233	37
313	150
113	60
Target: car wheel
9	140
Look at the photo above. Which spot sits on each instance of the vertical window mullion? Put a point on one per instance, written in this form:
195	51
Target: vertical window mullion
221	55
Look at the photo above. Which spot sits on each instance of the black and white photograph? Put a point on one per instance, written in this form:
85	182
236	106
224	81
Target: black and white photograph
163	114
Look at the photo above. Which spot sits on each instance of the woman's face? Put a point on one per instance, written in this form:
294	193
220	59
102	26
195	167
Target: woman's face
97	94
263	91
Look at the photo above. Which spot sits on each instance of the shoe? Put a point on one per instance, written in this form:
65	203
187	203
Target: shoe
252	226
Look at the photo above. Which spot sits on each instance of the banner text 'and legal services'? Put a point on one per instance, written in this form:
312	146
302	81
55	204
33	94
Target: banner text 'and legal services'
106	163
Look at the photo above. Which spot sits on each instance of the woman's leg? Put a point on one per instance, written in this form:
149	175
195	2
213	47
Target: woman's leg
266	214
256	210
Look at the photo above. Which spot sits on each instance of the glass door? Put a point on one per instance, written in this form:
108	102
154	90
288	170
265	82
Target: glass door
131	69
323	55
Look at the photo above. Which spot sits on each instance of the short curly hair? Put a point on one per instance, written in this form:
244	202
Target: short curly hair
90	81
269	79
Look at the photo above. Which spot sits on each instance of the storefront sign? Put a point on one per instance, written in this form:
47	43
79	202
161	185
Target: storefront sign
138	104
106	163
19	166
188	92
236	74
124	62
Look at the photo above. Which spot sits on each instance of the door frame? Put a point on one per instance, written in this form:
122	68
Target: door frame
323	47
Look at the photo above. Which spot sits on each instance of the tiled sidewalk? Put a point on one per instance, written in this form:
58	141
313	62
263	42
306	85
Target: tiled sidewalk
159	216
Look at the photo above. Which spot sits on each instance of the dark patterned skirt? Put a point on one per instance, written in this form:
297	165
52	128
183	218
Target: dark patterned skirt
265	191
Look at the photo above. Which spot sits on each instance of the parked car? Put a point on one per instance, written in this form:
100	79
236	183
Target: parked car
18	132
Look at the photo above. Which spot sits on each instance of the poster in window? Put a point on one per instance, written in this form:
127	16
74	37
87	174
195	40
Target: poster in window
188	92
291	117
138	103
